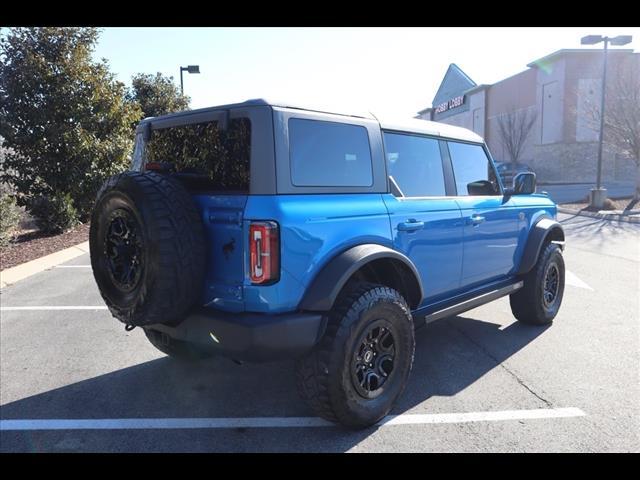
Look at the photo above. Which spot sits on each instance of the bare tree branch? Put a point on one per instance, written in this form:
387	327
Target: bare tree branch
622	111
514	128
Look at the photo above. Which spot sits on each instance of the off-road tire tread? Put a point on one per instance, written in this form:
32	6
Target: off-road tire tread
181	250
312	376
526	303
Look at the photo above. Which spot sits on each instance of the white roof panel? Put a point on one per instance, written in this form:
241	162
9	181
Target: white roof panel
426	127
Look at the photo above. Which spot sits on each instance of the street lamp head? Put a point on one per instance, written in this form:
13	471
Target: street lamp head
621	40
188	69
591	39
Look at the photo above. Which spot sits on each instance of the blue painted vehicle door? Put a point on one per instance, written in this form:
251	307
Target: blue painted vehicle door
490	219
426	223
222	216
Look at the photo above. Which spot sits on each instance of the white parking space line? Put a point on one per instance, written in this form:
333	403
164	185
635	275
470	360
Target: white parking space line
73	266
572	279
275	422
415	419
54	307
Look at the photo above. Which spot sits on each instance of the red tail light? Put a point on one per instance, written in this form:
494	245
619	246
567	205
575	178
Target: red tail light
264	251
153	166
163	167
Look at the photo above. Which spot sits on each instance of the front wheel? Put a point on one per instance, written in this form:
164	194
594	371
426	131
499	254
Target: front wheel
538	301
361	366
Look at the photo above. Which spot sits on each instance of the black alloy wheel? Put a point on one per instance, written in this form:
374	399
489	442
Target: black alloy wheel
373	360
124	250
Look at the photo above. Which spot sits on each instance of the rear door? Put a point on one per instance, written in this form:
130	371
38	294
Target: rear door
210	154
490	219
426	222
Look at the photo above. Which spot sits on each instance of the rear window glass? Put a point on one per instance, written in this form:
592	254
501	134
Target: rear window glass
329	154
221	157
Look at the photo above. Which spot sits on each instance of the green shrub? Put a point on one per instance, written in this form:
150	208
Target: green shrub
9	218
54	214
65	121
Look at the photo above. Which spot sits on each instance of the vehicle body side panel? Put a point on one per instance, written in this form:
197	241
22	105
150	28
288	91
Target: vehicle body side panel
489	246
314	228
326	286
436	247
531	208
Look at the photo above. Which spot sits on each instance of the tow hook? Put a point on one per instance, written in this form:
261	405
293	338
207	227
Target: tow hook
128	327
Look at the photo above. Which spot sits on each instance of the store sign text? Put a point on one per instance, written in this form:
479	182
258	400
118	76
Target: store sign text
453	103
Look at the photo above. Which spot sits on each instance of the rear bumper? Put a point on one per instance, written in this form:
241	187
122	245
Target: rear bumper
251	337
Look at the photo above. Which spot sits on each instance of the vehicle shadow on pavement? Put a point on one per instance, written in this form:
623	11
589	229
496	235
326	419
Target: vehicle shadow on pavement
580	227
451	355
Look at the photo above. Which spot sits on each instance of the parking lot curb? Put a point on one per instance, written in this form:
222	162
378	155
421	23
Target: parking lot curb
12	275
604	216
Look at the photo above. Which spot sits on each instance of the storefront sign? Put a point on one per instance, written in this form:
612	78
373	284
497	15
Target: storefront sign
453	103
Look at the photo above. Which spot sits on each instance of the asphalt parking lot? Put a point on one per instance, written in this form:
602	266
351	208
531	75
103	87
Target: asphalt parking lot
72	379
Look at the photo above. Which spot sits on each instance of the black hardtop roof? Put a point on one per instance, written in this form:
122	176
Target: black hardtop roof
404	124
255	102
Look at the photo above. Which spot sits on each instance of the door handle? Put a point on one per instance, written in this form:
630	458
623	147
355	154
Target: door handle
477	219
410	226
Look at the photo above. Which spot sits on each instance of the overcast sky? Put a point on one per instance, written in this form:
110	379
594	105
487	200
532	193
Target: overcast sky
386	70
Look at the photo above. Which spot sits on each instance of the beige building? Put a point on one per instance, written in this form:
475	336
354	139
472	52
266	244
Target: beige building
561	92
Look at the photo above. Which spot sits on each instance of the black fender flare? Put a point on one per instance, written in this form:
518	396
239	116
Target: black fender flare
324	289
538	234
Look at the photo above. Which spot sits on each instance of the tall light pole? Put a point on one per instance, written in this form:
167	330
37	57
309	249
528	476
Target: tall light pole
599	194
189	69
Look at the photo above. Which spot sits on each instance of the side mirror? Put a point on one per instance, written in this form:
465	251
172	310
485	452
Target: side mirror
524	183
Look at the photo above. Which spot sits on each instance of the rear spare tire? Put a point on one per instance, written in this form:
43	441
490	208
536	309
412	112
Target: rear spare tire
147	248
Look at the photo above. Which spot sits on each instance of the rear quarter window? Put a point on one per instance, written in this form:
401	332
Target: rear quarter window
329	154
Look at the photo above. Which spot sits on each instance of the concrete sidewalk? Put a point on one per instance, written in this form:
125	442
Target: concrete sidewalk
24	270
569	193
633	216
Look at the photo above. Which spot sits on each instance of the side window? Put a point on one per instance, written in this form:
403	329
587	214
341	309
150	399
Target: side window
329	154
415	164
472	170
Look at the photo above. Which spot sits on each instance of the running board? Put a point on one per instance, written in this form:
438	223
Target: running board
473	302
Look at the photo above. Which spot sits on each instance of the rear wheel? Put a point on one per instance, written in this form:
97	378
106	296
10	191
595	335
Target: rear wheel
538	301
361	366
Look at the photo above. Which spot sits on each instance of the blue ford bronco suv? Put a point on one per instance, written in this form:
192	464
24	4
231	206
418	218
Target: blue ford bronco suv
262	231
